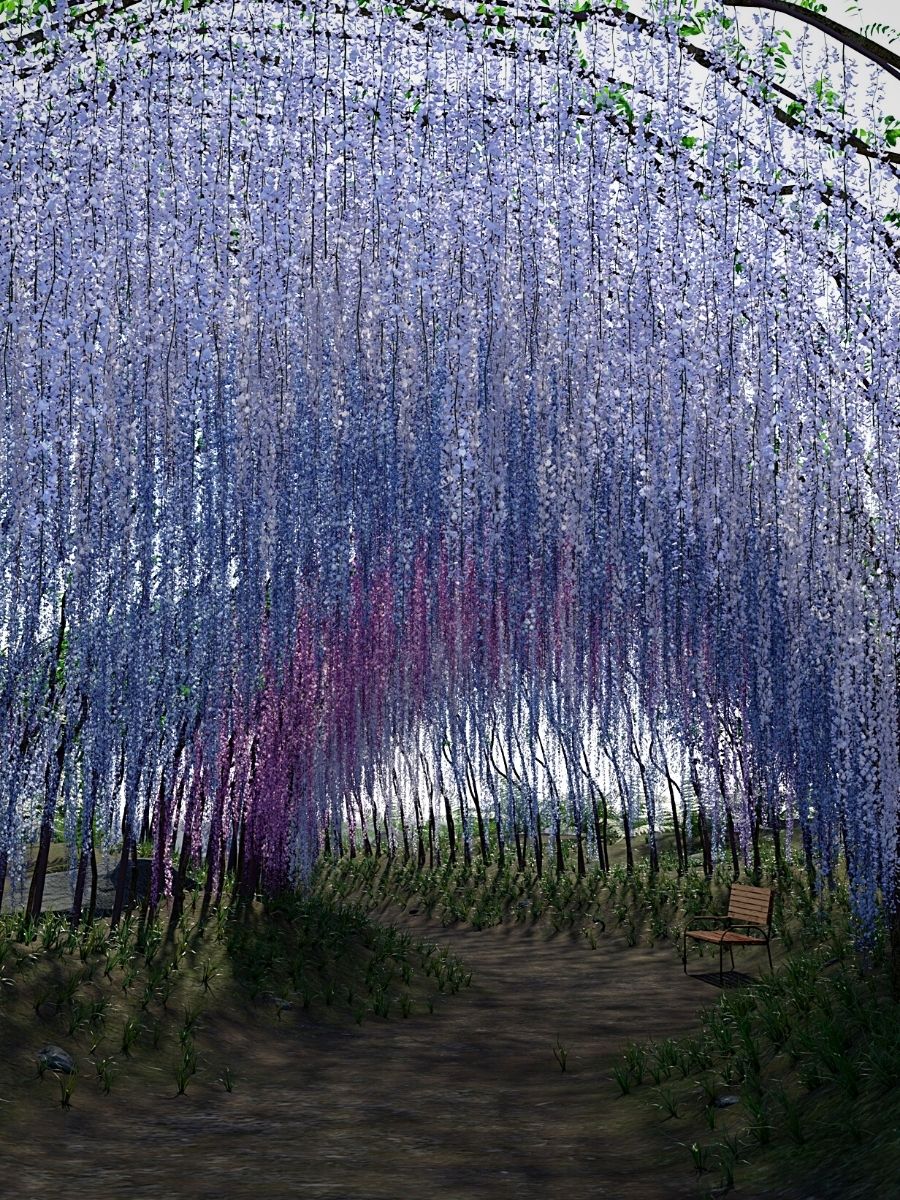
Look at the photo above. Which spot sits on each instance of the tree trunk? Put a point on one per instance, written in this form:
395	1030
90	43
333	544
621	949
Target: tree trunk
538	840
626	829
178	882
733	845
651	808
755	835
39	874
601	825
705	839
388	838
367	845
680	846
520	852
451	828
402	818
376	829
473	792
119	899
52	776
705	842
626	824
87	850
420	840
92	902
133	890
351	831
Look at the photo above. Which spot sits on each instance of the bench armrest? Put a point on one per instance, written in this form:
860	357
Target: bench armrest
748	926
709	917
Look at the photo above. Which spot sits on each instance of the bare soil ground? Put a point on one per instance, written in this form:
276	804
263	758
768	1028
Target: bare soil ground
467	1103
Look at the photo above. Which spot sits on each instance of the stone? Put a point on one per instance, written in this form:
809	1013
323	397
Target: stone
141	877
280	1003
54	1058
726	1101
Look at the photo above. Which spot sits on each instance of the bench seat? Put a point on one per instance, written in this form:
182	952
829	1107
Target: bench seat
725	935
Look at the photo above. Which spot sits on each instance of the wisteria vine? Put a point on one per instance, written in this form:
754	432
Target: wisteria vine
409	420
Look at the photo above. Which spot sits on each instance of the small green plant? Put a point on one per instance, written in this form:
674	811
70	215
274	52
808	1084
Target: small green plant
560	1054
699	1157
191	1017
760	1124
207	975
186	1068
227	1080
79	1016
40	999
635	1059
66	1088
709	1089
105	1072
623	1078
130	1034
791	1111
668	1103
26	931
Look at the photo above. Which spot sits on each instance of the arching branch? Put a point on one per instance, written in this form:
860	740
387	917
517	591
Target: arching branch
886	59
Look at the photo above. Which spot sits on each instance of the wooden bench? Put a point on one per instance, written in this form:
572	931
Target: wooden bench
749	913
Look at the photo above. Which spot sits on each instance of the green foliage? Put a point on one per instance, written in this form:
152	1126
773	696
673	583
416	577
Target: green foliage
813	1052
880	32
308	948
615	99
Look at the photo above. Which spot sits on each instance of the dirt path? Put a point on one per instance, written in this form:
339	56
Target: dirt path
467	1104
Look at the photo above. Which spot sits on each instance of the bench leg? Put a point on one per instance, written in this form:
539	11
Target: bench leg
684	953
721	977
769	952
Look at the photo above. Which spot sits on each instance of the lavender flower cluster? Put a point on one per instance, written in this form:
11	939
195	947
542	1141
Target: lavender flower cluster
402	408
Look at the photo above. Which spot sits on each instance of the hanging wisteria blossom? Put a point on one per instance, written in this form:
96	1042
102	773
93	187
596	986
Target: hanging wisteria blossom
431	412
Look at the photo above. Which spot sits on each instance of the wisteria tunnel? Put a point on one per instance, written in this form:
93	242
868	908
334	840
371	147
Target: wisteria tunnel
452	442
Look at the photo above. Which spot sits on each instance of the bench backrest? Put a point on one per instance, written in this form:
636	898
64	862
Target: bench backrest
751	905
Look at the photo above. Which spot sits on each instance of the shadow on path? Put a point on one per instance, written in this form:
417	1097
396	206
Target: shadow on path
466	1104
